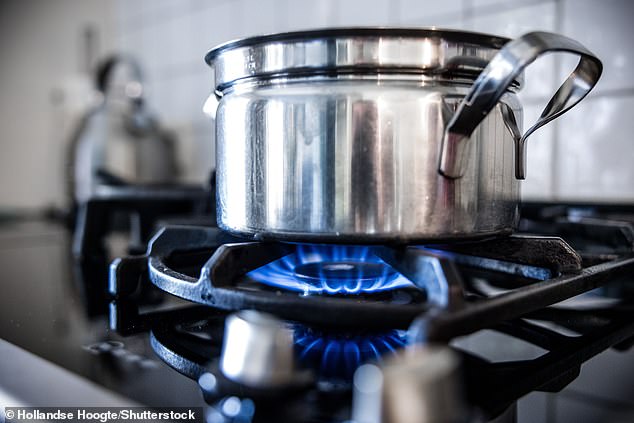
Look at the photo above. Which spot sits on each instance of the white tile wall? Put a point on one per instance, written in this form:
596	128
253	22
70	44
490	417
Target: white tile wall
607	29
307	14
498	4
361	13
412	10
214	23
513	22
43	86
260	17
170	37
444	14
595	150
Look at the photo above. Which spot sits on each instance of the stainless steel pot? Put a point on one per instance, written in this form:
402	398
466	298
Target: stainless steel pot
378	135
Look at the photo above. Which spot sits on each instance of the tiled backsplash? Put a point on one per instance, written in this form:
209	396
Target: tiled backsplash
586	154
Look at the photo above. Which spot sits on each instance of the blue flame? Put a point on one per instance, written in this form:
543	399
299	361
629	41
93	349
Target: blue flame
330	269
337	356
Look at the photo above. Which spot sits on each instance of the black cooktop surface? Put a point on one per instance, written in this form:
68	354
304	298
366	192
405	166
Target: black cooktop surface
54	308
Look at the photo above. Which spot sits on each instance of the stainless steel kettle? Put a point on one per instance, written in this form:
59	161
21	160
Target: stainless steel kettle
119	142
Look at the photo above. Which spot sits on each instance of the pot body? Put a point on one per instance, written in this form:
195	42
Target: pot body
362	135
356	160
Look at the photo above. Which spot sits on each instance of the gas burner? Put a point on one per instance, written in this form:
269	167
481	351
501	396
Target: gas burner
444	291
191	344
200	358
343	342
330	269
170	268
338	355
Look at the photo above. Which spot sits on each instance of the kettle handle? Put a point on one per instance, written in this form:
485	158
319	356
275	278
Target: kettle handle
493	82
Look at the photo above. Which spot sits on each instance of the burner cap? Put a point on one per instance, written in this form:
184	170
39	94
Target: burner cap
353	276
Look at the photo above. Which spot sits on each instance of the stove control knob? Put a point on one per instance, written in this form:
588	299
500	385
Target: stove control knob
420	384
258	350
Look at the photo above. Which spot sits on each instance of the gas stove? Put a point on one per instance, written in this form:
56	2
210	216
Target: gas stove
265	331
316	316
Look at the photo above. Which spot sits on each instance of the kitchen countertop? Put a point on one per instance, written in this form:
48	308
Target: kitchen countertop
43	310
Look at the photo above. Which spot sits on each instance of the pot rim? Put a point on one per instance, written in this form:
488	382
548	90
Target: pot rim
426	51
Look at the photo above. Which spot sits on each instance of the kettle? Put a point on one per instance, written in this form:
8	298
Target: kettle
119	142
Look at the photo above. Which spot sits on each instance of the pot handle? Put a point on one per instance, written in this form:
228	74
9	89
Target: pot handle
493	82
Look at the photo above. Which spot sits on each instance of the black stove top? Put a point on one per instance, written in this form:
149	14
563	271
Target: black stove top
157	337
